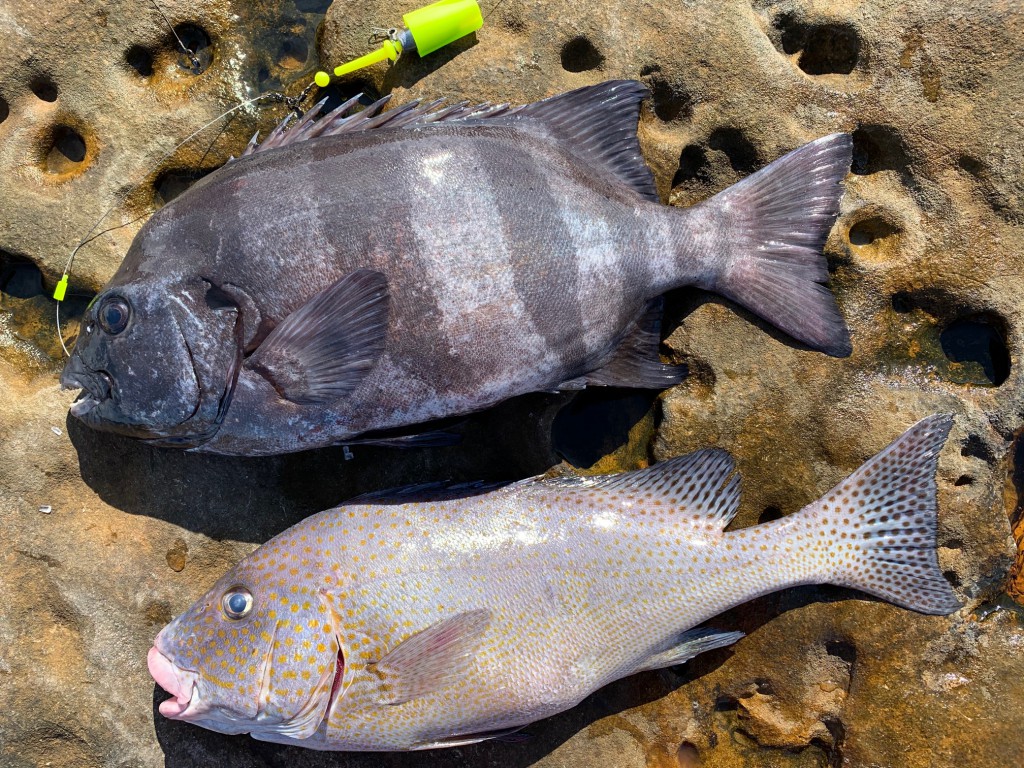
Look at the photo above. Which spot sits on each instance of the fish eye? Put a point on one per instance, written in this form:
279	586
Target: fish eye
236	603
113	315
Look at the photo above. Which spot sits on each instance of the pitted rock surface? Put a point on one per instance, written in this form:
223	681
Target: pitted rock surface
106	539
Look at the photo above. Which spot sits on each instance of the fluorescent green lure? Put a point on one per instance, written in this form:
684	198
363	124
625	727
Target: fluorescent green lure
426	29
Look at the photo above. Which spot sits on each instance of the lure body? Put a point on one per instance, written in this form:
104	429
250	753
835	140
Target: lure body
419	265
435	618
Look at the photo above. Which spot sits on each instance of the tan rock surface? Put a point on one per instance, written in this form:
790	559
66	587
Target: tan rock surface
105	539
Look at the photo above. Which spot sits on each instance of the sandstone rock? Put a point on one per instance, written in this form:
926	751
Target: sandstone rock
926	261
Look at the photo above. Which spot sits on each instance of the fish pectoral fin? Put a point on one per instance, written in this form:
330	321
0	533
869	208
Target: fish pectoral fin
461	740
635	362
433	659
690	644
323	350
702	485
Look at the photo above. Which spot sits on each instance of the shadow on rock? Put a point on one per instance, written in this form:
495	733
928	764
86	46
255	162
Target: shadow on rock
253	499
188	746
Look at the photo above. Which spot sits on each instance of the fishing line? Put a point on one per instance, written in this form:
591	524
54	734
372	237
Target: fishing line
196	64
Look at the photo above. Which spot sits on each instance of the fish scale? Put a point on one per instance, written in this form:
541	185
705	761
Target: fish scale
413	265
440	616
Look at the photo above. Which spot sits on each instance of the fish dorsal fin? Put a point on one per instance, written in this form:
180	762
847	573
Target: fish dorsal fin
598	124
324	349
438	657
703	485
343	120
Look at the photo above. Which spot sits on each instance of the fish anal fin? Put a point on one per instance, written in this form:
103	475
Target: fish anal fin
702	485
435	658
323	350
689	644
635	362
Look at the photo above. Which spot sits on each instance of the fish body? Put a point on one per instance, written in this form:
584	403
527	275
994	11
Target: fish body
441	617
373	272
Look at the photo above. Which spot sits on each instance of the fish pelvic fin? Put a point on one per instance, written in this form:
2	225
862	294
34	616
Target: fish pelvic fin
880	525
766	234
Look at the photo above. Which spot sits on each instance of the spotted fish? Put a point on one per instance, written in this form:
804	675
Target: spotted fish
436	617
371	272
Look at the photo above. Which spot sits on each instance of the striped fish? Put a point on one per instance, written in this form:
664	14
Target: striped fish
377	270
437	617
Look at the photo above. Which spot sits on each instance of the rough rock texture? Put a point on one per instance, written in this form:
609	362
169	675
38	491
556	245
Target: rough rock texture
104	539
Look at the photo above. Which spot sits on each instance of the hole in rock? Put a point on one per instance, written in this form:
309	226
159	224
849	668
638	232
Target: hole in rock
687	756
581	55
597	422
769	514
196	40
830	49
726	703
171	184
964	480
140	59
954	543
671	100
869	230
764	686
19	278
977	345
952	578
975	448
741	153
902	302
338	93
313	6
292	53
4	110
878	148
693	166
971	164
842	649
44	88
262	74
67	150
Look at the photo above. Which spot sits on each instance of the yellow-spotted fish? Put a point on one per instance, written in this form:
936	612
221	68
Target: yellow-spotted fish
437	617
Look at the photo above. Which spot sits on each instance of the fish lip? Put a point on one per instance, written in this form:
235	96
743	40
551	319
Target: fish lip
180	683
97	386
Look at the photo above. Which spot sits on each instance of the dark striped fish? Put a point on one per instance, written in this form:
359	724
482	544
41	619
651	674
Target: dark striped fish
374	271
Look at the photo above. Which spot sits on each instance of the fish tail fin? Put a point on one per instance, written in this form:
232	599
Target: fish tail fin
769	230
878	528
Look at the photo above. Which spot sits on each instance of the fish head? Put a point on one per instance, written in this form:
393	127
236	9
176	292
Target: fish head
156	359
258	654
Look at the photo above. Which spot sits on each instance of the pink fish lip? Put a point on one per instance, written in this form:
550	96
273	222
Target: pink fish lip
176	682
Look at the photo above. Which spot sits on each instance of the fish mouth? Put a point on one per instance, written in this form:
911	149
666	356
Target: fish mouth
97	386
181	684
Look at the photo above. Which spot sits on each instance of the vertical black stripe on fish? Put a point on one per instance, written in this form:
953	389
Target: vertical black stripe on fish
548	287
